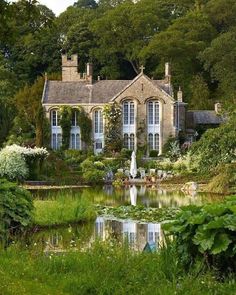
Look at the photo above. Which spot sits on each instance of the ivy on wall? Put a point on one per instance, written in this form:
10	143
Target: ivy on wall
65	123
85	124
83	120
113	136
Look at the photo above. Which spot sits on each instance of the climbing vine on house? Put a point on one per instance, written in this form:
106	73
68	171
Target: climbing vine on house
83	120
65	123
113	136
85	124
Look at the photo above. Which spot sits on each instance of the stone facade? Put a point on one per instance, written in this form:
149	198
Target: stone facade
150	112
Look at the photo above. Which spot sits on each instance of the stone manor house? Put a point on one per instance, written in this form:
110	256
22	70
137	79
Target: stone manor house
148	107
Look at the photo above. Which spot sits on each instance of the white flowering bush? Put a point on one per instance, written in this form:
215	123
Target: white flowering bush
16	162
13	166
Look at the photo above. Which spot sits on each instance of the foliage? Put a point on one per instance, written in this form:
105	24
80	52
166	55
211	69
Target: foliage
94	176
224	180
85	125
90	272
206	233
65	123
93	171
222	140
16	208
65	209
30	126
153	154
139	213
16	162
13	165
113	139
125	153
172	149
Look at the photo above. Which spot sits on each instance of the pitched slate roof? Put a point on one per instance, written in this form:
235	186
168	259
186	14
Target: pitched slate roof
57	92
203	117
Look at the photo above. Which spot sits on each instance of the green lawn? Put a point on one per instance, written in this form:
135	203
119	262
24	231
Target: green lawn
103	270
62	210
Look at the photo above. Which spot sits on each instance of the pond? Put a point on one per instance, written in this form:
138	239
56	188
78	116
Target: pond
105	228
108	195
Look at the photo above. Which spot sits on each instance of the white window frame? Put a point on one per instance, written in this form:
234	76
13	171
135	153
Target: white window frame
128	113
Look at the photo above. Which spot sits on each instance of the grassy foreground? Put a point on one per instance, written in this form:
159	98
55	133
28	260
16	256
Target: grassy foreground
103	270
62	210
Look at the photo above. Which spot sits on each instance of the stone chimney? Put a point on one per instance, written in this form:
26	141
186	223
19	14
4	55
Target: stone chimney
180	95
89	72
167	72
218	108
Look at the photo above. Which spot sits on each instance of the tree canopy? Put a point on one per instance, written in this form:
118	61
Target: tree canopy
197	37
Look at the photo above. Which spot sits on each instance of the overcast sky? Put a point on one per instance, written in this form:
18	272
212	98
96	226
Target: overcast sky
57	6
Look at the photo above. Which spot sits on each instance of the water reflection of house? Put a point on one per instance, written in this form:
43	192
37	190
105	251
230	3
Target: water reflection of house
154	233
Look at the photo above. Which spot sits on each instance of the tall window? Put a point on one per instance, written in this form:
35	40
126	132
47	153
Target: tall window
129	141
126	141
156	142
153	141
131	147
75	141
128	113
150	141
153	113
56	141
98	121
54	118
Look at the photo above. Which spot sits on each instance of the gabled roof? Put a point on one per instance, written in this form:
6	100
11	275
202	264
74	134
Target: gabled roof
103	91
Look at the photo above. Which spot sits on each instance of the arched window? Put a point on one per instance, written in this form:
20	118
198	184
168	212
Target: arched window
98	121
150	141
54	118
153	113
128	113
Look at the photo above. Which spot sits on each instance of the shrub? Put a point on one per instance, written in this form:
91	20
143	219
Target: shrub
99	165
15	208
207	233
17	162
153	154
216	147
13	166
225	178
125	153
94	176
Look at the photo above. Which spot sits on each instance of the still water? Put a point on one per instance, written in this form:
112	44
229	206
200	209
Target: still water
136	234
131	195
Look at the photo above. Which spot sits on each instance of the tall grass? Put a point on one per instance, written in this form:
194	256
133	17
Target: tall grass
63	209
104	270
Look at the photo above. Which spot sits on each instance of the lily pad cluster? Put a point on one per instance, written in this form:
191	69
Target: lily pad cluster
140	213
